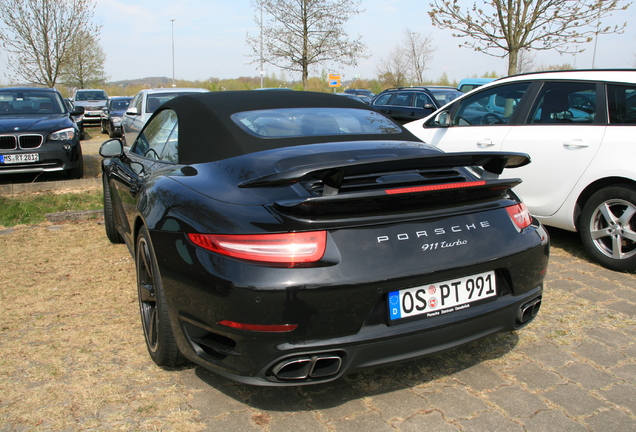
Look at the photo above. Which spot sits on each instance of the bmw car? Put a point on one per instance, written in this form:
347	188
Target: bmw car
289	238
38	133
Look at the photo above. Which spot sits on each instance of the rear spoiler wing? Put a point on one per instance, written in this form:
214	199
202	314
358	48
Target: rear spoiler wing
332	174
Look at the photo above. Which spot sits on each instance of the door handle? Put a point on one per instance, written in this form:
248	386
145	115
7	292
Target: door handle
486	142
575	144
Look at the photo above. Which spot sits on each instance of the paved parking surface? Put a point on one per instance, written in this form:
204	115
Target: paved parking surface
572	369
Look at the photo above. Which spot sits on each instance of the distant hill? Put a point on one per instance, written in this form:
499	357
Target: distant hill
151	82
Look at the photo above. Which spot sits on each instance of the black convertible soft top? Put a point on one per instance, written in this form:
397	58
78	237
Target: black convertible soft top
207	133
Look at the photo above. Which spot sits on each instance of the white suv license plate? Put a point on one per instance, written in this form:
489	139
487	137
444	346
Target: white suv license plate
442	297
20	158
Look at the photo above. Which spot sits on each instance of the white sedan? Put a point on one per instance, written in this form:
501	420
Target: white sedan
143	105
578	128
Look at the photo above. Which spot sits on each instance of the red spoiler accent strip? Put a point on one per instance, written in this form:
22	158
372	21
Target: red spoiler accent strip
435	187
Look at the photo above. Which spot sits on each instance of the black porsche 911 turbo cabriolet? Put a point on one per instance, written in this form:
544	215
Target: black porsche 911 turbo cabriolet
286	238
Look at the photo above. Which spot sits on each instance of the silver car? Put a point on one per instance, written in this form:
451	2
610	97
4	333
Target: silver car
143	105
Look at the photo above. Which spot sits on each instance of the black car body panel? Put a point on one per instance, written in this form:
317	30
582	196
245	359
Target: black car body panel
38	133
396	214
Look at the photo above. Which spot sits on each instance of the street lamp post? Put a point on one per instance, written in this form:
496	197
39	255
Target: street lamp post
262	72
173	82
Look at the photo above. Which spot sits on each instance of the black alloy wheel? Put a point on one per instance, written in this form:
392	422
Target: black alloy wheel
155	320
608	227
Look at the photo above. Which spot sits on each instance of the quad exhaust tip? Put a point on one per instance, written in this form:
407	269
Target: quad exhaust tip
528	311
305	367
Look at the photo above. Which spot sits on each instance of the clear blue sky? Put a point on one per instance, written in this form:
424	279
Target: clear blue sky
209	40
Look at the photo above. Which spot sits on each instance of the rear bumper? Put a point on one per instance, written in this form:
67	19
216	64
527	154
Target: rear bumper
323	361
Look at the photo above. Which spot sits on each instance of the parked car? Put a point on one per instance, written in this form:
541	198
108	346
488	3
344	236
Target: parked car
330	242
111	116
360	92
78	119
38	133
143	105
405	104
365	99
468	84
94	101
578	128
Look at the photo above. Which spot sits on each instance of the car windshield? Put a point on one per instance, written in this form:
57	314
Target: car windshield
302	122
91	95
30	102
119	104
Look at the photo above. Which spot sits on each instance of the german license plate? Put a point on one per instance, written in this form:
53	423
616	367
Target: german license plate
20	158
442	297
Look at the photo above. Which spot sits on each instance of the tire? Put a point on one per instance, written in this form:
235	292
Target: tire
155	319
109	217
103	128
608	227
111	131
78	171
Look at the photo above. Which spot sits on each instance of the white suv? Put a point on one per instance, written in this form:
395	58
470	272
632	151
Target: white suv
579	128
94	101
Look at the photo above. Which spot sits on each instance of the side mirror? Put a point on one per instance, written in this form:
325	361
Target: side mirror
442	119
112	148
132	111
429	106
77	111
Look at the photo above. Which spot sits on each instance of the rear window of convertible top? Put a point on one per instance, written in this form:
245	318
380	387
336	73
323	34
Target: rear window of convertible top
301	122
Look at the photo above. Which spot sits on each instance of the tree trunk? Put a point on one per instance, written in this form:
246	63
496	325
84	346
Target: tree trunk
513	57
305	77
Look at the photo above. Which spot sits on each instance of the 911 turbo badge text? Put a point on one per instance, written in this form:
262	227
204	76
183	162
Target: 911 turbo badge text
443	245
436	232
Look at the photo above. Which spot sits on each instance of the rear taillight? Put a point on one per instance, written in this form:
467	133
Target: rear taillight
520	215
289	248
272	328
437	187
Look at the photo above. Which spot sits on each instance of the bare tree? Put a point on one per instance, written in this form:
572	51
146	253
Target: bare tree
407	62
300	34
513	25
85	63
525	61
419	51
38	35
393	70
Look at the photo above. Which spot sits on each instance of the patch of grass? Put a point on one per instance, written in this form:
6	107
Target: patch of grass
31	209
